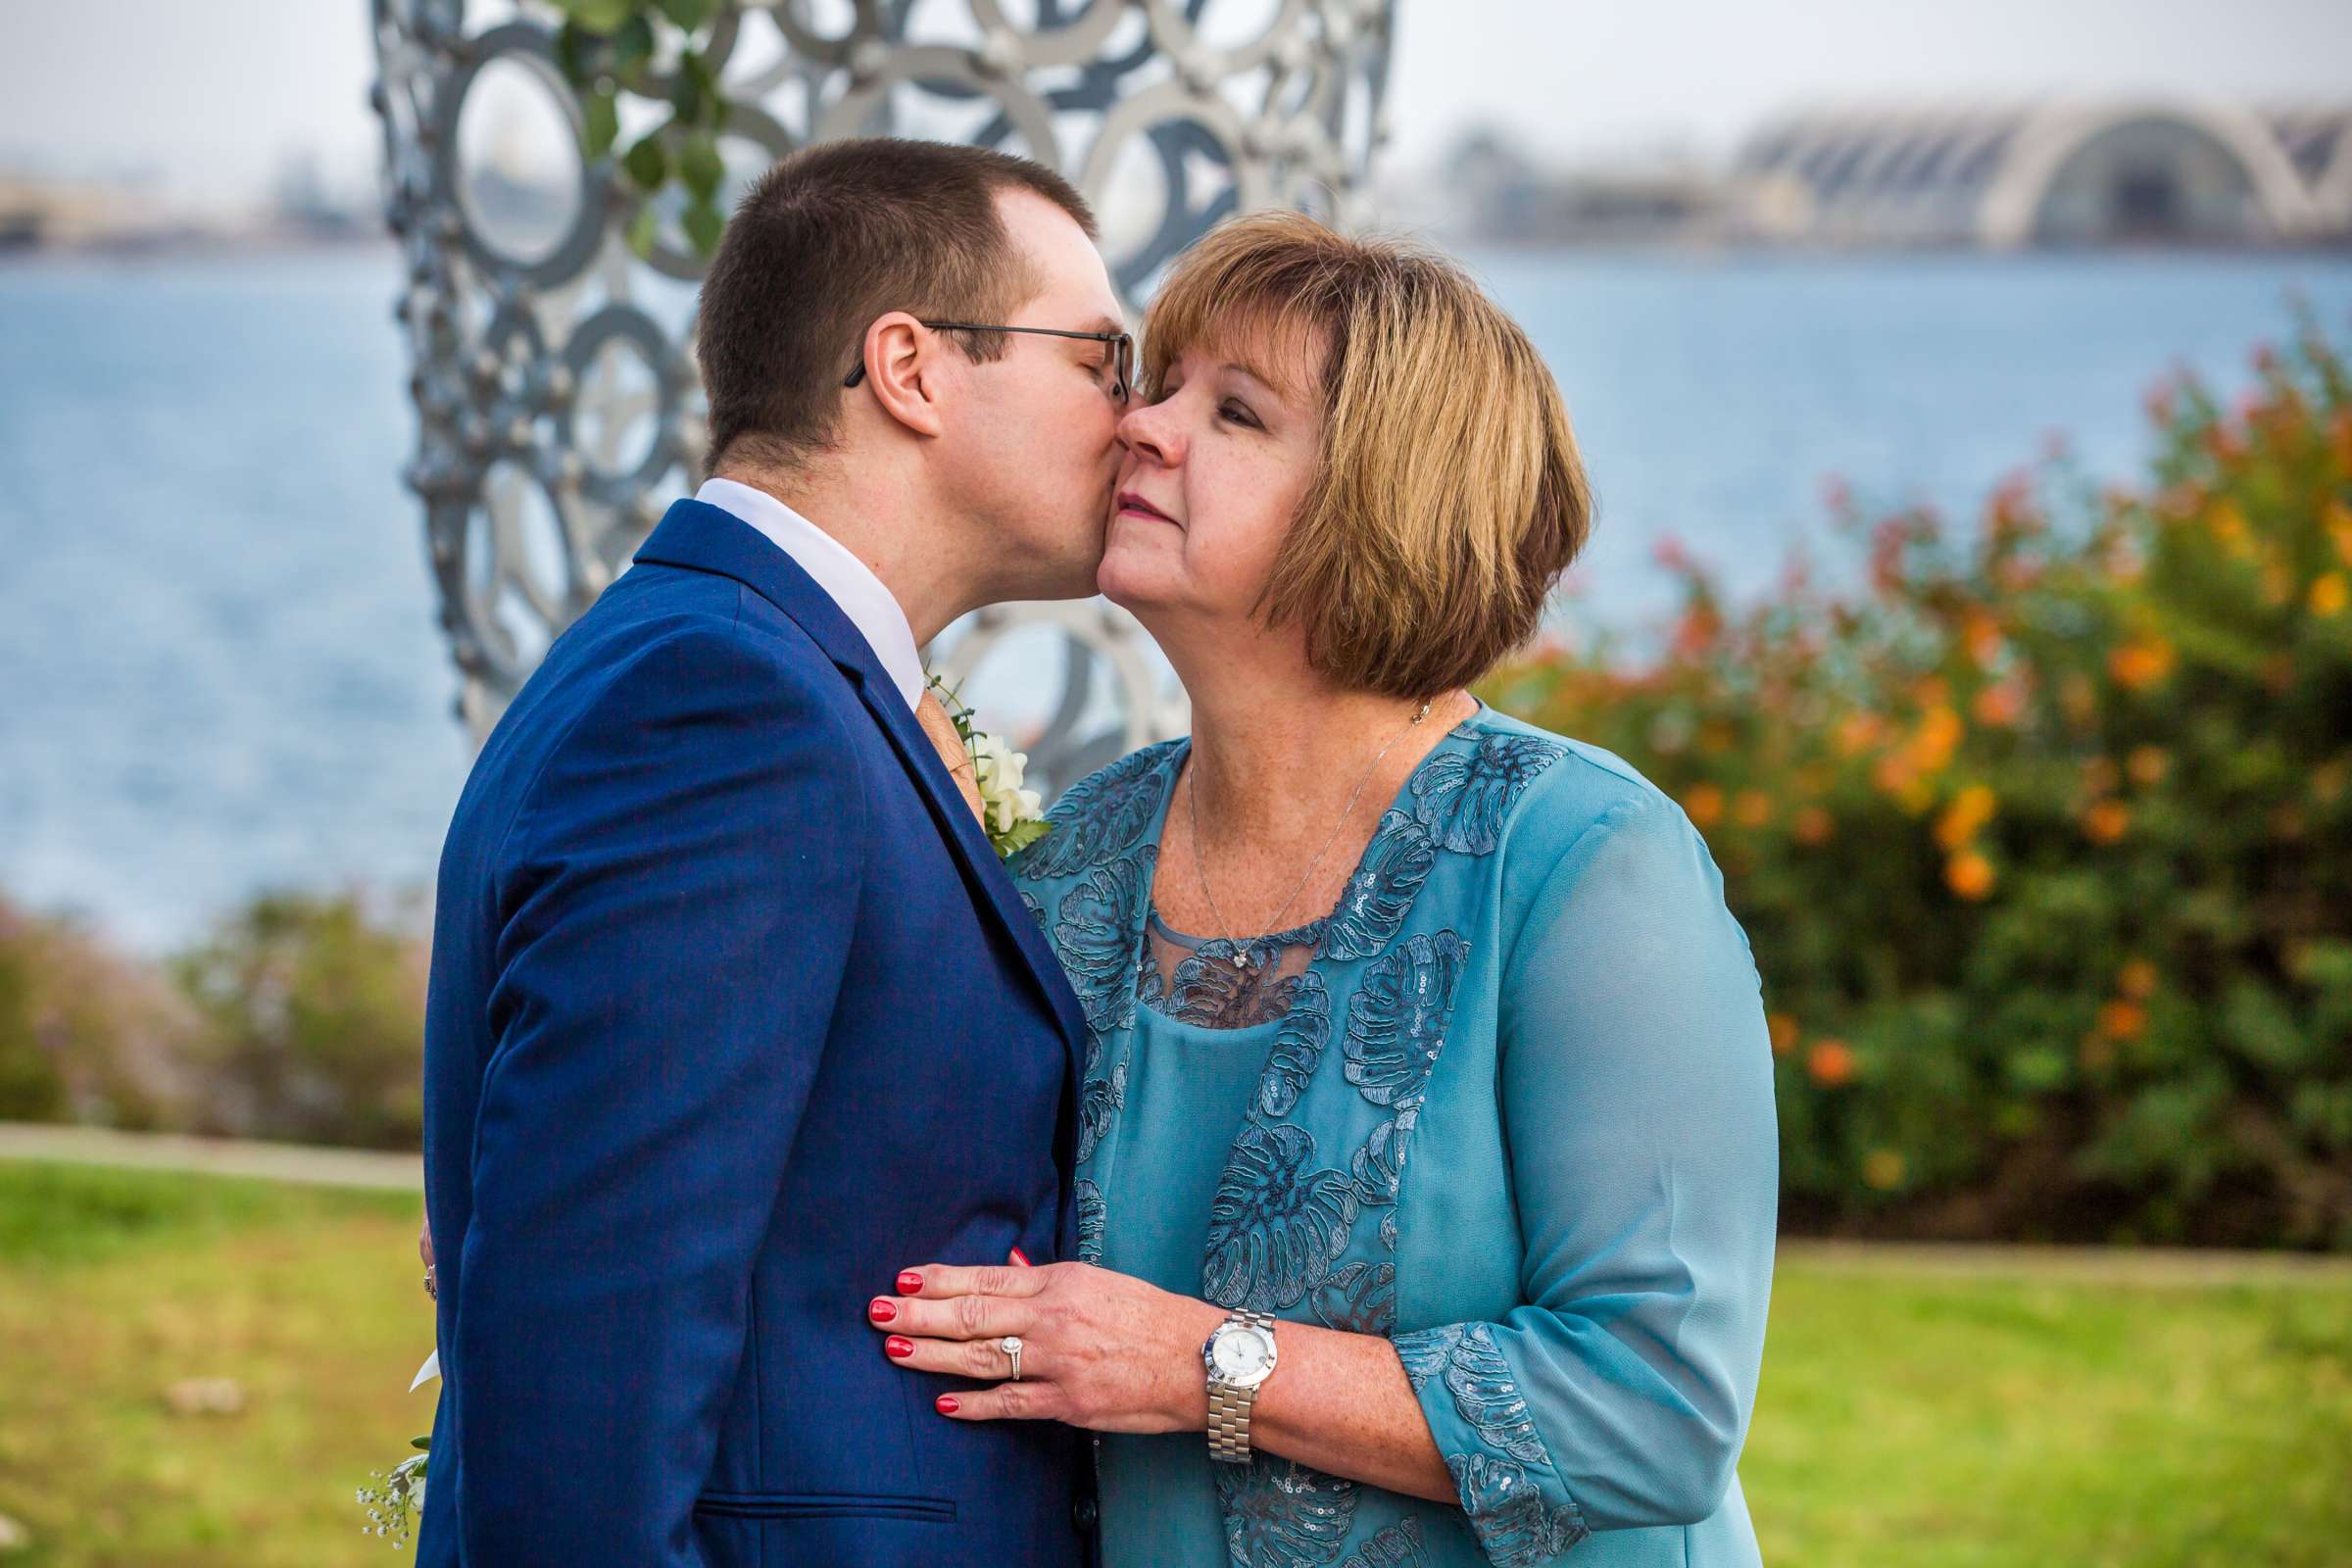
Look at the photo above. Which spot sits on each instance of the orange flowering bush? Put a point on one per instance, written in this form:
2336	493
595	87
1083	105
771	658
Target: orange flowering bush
2042	833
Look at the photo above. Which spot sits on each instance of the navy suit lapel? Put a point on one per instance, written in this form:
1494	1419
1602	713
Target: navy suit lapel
707	538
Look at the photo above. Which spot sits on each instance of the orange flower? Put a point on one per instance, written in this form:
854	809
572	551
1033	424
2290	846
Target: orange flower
2136	979
1704	805
1883	1169
2338	517
1969	874
2140	664
1939	734
1999	707
1696	630
1970	810
2329	594
1858	732
2147	765
2107	822
2226	522
1813	826
1982	636
1830	1063
1784	1033
1751	807
2123	1020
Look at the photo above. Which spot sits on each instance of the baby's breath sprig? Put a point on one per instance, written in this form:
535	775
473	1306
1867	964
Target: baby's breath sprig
396	1497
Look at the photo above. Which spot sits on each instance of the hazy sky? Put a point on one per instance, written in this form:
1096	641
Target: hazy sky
210	94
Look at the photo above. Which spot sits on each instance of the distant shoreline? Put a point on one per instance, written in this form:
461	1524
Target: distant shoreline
278	244
180	248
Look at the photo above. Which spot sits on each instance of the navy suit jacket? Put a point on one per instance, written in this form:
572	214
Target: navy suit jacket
733	1015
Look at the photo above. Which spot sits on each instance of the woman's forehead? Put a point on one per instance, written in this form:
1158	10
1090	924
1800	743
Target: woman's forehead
1286	354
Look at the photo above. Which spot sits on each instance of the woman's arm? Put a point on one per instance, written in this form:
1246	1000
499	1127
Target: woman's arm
1638	1107
1341	1403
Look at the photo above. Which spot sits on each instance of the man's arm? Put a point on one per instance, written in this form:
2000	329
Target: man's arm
678	894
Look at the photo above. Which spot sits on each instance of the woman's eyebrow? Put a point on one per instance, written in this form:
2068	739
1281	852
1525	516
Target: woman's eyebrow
1262	380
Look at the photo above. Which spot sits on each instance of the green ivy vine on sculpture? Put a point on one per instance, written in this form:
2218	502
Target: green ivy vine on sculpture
609	47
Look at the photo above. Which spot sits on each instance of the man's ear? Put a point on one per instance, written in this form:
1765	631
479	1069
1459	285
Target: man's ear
901	356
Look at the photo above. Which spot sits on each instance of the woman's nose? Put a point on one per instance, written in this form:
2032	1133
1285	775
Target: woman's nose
1145	429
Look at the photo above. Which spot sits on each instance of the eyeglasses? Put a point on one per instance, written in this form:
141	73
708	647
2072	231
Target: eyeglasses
1121	361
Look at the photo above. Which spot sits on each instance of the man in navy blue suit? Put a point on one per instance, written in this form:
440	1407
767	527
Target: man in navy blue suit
733	1010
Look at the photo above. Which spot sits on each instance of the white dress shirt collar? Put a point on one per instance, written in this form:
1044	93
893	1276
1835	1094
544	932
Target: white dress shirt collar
872	606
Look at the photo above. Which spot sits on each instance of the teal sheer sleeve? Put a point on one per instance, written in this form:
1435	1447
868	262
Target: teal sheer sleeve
1636	1096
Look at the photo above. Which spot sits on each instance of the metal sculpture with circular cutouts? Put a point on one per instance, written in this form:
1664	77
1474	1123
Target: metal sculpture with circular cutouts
559	408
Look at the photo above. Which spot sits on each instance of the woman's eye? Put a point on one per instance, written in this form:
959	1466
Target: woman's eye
1239	414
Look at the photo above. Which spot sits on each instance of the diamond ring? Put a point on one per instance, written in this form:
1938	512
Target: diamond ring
1011	1345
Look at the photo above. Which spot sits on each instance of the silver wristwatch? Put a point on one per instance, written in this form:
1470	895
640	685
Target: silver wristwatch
1240	1356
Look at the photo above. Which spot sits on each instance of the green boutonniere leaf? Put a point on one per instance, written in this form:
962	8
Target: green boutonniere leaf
1014	840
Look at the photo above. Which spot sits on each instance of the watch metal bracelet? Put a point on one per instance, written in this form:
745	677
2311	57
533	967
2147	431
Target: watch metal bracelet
1229	1405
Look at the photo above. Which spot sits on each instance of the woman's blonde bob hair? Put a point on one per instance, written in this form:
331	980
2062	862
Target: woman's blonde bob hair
1449	496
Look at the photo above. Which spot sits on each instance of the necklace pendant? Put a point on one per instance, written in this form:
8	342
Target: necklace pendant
1240	961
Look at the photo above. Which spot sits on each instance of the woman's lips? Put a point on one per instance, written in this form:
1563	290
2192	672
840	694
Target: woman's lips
1129	501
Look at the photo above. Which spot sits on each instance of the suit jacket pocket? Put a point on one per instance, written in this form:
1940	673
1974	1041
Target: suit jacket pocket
824	1505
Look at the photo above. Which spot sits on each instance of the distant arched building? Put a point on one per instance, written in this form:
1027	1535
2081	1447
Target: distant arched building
2058	174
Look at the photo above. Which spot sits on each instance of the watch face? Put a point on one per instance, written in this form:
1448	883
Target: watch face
1240	1353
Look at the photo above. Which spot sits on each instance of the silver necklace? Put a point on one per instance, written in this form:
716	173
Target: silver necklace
1192	807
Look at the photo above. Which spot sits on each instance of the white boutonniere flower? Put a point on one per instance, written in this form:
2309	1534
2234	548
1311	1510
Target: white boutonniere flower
1012	816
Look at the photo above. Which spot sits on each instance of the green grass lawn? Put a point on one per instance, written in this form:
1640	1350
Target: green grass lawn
1936	1421
1920	1417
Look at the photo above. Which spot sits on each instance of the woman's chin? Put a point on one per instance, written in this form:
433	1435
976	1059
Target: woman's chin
1129	581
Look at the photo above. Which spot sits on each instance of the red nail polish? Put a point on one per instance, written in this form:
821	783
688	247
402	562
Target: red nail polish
880	1309
1022	1259
949	1404
898	1346
910	1284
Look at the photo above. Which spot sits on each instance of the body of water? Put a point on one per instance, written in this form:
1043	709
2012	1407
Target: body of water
220	667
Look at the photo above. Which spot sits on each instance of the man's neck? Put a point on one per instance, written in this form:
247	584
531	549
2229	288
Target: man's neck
895	531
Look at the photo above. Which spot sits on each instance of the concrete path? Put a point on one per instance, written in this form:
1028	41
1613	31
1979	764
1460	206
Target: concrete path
2117	1265
216	1157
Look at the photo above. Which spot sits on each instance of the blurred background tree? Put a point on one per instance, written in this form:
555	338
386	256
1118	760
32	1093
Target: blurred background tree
2043	836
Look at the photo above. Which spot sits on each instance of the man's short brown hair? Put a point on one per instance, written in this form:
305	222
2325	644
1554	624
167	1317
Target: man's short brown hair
1449	496
832	237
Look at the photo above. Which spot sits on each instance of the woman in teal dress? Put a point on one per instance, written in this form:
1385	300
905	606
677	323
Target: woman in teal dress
1470	1175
